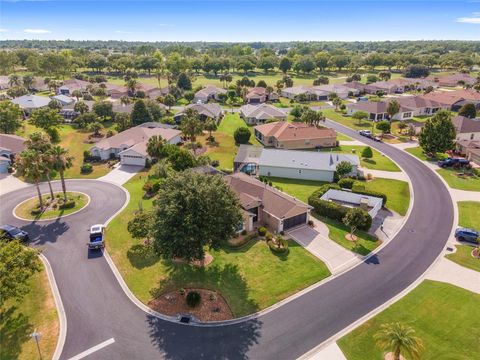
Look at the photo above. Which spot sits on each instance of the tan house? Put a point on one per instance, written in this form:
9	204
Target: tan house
266	206
259	114
285	135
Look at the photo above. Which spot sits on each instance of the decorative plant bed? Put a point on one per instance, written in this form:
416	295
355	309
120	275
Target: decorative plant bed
212	306
476	253
52	208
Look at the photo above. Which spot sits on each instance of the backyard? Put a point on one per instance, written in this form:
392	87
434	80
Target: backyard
250	278
442	315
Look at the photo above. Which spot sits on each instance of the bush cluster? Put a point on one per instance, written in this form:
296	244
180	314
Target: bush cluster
69	204
262	231
346	183
193	298
86	168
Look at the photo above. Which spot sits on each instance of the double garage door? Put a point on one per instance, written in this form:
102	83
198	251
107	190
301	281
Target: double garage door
132	160
294	221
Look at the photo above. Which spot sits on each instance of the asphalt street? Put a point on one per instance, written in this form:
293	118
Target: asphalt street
97	308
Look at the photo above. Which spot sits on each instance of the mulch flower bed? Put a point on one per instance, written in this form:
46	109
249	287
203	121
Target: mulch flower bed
207	260
212	307
476	253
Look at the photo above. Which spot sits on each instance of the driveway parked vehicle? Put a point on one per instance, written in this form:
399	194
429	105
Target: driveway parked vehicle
97	240
454	162
468	235
9	232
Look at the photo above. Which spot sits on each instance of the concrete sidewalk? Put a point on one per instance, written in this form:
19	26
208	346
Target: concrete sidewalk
317	242
8	183
395	175
121	174
448	271
330	352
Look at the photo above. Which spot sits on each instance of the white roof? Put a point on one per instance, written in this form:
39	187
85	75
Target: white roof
31	101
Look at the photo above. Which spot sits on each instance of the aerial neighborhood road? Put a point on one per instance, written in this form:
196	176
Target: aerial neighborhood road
97	309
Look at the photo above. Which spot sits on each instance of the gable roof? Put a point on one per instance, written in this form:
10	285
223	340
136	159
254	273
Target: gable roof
210	110
12	143
463	124
467	94
253	192
210	90
374	107
248	153
75	84
417	102
262	112
31	101
443	97
64	99
283	130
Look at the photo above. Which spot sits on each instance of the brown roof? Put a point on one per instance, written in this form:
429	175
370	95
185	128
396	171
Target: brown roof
11	143
443	97
283	130
469	94
257	92
374	107
76	84
416	102
465	125
274	202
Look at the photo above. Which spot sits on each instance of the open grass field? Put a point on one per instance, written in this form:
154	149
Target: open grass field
442	315
463	256
467	183
19	319
250	278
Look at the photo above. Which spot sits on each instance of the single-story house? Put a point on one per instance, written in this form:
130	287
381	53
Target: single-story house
10	145
263	205
258	95
131	145
466	129
370	204
473	153
246	159
259	114
116	91
377	110
453	80
157	92
31	102
420	105
63	99
70	85
210	110
399	85
294	91
343	91
208	93
285	135
453	101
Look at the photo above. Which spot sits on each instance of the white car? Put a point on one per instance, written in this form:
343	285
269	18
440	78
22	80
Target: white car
97	240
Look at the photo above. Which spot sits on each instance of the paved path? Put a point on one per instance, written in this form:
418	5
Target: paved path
351	143
405	145
452	273
316	241
395	175
97	309
330	352
9	183
461	195
121	174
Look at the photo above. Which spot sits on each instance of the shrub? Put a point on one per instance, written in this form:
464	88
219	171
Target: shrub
262	231
279	247
346	183
181	291
242	135
310	223
215	163
110	133
268	236
69	204
244	232
193	298
86	169
36	211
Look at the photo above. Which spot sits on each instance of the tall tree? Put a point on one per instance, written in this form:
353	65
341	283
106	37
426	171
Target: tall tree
140	113
400	340
180	230
191	126
468	110
46	118
438	134
61	161
210	125
343	168
29	164
360	115
393	108
81	107
154	146
10	117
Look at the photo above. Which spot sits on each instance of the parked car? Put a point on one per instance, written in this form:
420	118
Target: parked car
366	133
377	138
449	162
97	240
9	232
465	234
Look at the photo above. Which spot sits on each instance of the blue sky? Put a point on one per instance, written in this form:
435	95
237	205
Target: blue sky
247	20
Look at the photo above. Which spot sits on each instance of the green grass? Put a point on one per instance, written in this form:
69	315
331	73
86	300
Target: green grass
463	256
298	188
35	311
348	121
343	137
469	214
250	279
25	208
337	232
377	162
397	191
467	183
418	152
443	316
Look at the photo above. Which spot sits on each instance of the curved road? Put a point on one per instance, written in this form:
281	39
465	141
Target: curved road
97	308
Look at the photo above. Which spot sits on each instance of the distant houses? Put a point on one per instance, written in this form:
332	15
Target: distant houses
208	93
210	110
259	114
10	145
29	103
453	79
321	93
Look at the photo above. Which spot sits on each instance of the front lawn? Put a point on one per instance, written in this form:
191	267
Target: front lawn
418	152
36	311
467	183
337	232
397	191
469	214
250	279
343	137
443	316
377	162
348	120
463	256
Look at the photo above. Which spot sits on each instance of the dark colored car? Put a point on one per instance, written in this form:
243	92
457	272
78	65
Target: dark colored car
449	162
469	235
9	232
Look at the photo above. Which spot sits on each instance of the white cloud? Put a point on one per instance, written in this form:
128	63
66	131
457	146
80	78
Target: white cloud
122	32
37	31
474	19
3	30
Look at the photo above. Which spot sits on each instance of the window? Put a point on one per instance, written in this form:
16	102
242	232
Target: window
407	115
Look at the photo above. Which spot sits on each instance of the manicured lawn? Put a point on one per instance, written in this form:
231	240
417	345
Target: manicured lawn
468	183
463	256
377	162
363	246
226	149
24	209
469	214
397	191
348	120
250	279
343	137
300	189
443	316
76	142
418	152
35	311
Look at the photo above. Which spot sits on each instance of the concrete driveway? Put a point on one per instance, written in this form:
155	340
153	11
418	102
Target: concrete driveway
121	174
333	255
8	183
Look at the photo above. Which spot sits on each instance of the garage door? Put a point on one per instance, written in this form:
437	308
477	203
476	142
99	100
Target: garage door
294	221
132	160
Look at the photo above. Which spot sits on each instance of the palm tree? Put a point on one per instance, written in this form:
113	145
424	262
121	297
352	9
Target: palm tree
393	108
125	100
399	339
131	85
14	80
29	164
210	125
77	94
337	102
191	126
28	81
154	146
61	161
41	144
